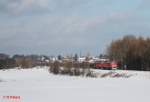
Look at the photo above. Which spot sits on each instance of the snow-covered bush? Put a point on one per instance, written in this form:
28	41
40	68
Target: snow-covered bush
68	68
54	67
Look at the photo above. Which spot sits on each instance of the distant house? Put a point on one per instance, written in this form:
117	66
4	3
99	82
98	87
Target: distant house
52	58
81	59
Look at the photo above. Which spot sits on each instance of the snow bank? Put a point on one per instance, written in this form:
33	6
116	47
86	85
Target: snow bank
123	74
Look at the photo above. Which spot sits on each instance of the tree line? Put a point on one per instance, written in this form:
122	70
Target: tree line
131	52
22	61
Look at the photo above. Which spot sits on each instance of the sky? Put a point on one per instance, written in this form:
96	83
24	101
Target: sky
55	27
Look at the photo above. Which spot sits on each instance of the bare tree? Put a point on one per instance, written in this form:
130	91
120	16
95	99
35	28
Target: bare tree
134	52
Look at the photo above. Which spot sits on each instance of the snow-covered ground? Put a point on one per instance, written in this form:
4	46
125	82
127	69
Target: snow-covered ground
37	85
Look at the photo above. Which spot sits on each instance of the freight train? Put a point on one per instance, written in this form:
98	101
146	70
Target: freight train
106	64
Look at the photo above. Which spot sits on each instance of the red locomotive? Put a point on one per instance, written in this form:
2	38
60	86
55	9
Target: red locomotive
106	64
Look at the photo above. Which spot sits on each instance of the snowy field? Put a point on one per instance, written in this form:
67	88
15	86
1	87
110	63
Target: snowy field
37	85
